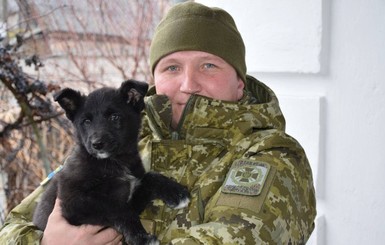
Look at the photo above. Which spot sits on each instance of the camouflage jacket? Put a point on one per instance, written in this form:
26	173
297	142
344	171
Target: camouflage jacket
249	181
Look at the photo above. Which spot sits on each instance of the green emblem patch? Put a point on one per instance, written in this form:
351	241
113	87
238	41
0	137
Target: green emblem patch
246	177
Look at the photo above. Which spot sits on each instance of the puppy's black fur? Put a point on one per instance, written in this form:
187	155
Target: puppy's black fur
103	181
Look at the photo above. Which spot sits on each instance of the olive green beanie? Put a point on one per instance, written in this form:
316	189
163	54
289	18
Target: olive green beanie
193	26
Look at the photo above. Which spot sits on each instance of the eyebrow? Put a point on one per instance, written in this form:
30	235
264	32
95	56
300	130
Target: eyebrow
168	60
206	57
212	57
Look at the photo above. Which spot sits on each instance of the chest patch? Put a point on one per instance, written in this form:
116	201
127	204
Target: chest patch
246	177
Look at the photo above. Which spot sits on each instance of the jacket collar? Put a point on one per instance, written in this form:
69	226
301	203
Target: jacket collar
257	110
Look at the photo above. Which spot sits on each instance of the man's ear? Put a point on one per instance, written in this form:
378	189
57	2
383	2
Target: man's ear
134	91
70	100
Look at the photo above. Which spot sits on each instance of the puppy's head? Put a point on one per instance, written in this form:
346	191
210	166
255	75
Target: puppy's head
107	121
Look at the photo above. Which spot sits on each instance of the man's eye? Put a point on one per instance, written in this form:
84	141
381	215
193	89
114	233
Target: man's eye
172	68
209	66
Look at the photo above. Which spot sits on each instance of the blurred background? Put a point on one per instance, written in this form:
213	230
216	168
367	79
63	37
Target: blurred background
51	44
324	59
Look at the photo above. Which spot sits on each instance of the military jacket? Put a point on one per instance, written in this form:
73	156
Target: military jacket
250	182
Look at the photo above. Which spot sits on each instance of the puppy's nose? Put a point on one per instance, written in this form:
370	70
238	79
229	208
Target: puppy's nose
98	145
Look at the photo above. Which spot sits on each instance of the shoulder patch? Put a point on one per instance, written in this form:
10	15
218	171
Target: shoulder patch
246	177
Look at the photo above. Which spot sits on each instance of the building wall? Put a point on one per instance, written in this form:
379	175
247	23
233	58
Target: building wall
326	62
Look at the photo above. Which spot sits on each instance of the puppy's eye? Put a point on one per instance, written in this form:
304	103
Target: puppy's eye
114	118
86	122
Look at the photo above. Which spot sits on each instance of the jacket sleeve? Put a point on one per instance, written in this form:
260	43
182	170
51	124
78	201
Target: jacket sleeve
18	227
282	213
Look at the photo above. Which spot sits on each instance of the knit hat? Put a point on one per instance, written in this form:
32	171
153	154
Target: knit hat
193	26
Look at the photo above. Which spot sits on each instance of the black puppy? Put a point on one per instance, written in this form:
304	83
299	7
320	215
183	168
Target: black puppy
103	181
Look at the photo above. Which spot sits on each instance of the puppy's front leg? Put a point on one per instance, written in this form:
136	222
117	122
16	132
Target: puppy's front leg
157	186
45	205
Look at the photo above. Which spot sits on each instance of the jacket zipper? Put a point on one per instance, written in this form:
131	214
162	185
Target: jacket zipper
150	112
175	135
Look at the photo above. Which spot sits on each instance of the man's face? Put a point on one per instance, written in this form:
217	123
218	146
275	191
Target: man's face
181	74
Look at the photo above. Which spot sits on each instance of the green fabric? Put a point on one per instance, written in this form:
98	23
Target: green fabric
199	154
18	227
193	26
212	135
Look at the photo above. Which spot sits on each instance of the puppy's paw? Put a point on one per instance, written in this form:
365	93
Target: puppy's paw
178	197
168	190
182	204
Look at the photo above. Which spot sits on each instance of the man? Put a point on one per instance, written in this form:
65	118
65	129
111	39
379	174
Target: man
217	131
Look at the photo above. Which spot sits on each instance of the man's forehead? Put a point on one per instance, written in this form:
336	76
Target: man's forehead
190	54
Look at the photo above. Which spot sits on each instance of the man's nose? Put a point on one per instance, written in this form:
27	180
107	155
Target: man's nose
190	83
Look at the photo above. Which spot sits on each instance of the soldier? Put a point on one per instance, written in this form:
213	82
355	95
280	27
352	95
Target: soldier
214	129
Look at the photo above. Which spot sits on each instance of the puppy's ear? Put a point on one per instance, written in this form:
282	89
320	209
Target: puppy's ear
134	92
70	100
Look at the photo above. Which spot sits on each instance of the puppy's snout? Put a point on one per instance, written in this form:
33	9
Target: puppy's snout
98	145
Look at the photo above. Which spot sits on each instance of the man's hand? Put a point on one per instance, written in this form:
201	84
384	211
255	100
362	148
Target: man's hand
59	231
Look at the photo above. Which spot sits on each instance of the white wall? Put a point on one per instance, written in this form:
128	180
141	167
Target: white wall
326	61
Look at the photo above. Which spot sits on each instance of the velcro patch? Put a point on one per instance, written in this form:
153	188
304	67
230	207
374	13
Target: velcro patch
246	177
